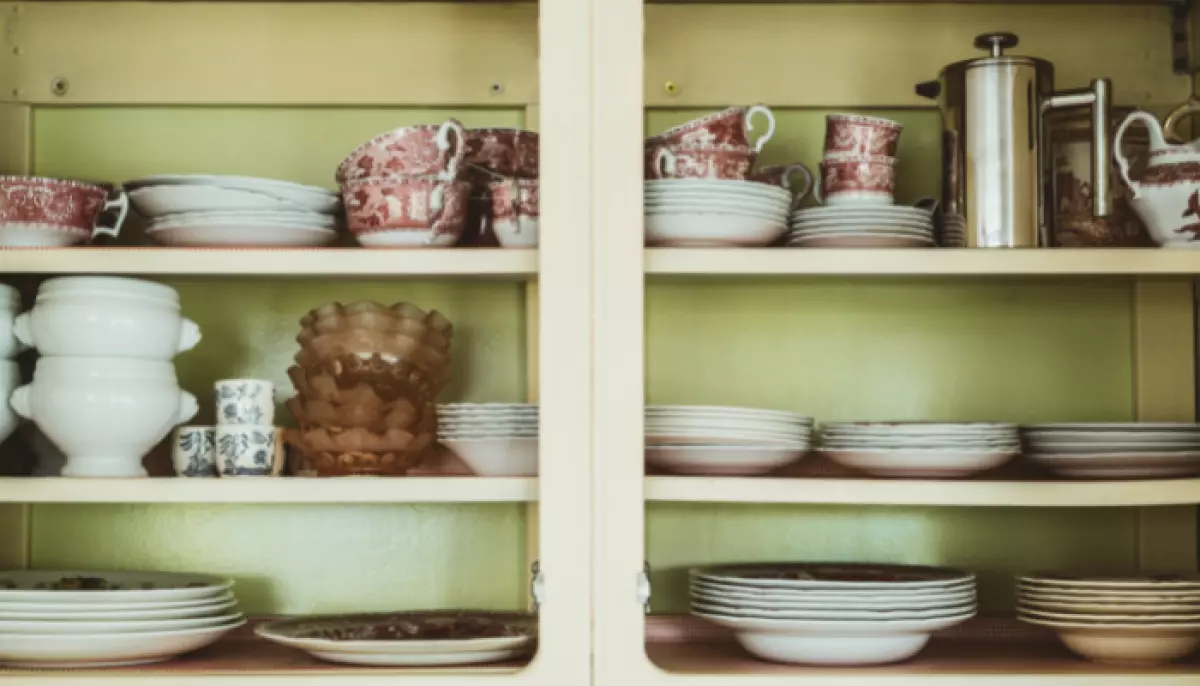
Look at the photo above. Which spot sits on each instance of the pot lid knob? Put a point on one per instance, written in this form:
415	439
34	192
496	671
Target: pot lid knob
996	43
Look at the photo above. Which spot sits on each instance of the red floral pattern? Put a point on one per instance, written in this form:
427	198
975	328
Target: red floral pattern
406	204
411	150
507	152
849	134
1171	174
65	205
727	127
857	176
709	162
514	198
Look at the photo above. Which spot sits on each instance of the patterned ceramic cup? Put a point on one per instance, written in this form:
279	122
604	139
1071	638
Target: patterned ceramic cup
42	212
730	162
857	181
245	401
856	135
193	451
515	211
727	127
411	150
247	450
428	208
506	152
782	174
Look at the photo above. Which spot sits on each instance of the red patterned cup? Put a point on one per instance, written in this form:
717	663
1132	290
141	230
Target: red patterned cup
506	152
727	127
515	212
857	181
856	134
703	162
42	212
408	151
411	211
781	175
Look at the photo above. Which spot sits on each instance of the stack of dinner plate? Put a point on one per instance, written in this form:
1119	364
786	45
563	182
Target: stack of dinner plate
1133	620
79	619
714	213
724	441
920	449
1115	451
234	211
493	439
830	613
861	226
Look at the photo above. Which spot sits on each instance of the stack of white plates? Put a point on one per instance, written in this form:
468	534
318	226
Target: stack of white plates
954	231
104	619
1115	451
1132	621
724	441
202	210
833	614
861	226
714	213
920	449
493	439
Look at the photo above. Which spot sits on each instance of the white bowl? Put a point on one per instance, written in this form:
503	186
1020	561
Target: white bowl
926	464
517	456
721	460
104	413
396	238
309	198
710	229
1125	644
244	234
105	649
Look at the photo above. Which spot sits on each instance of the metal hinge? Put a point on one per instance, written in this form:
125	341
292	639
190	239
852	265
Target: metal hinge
1181	36
643	587
537	585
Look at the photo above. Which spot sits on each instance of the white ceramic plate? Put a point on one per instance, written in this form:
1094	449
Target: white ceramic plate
849	240
927	464
846	592
848	601
30	586
921	428
717	186
96	613
242	235
154	201
106	649
864	210
1137	427
699	229
133	605
1119	465
1105	595
721	460
835	627
1055	437
722	410
1108	607
836	576
1088	617
842	614
43	627
677	438
1112	447
307	197
1164	583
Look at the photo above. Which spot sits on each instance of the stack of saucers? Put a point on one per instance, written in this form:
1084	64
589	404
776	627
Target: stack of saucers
1131	621
954	231
724	441
493	439
861	226
203	210
833	614
107	619
714	213
1115	451
920	449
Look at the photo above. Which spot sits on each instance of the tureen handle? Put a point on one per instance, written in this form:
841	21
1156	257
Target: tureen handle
23	330
19	401
189	335
1123	164
188	407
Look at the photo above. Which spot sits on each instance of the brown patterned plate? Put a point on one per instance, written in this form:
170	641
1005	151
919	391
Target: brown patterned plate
832	575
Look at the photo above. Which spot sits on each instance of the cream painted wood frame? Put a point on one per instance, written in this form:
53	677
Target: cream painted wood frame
206	54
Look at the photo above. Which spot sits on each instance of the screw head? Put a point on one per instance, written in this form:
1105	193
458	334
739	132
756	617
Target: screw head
59	85
497	88
671	88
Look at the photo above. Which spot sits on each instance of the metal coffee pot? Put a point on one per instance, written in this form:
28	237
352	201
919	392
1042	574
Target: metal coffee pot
997	167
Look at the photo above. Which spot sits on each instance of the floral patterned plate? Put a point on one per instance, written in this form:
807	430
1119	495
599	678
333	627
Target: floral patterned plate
85	587
408	638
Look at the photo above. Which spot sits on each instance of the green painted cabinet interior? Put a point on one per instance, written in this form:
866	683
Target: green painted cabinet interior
294	558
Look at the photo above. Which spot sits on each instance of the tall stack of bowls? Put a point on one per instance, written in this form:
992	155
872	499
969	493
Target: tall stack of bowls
367	379
104	390
10	374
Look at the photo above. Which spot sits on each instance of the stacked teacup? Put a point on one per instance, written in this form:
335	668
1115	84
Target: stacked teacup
10	375
503	168
402	189
245	435
857	187
702	187
104	390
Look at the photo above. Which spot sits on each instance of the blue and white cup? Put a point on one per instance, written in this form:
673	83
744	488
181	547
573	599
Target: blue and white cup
247	450
193	451
245	401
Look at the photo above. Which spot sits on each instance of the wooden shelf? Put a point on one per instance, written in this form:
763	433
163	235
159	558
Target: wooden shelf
968	493
299	262
922	262
464	489
242	658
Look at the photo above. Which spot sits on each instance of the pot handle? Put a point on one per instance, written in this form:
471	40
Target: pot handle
1099	97
23	330
188	407
19	401
1123	164
762	140
121	204
1192	106
189	335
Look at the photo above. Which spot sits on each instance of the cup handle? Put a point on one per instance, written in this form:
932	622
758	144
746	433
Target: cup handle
455	149
437	204
19	402
808	182
766	112
188	407
664	163
189	335
120	203
23	330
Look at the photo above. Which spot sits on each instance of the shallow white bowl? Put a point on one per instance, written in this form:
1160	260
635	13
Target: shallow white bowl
721	460
698	229
927	464
106	649
516	456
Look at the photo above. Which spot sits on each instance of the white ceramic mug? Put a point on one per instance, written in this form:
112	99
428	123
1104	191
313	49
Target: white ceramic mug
193	451
247	450
245	401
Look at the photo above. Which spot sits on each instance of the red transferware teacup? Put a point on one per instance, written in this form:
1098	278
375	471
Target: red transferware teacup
408	151
428	209
727	127
781	175
857	134
730	162
44	212
515	210
857	181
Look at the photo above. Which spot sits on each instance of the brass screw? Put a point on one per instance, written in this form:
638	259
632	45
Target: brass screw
671	88
497	88
59	85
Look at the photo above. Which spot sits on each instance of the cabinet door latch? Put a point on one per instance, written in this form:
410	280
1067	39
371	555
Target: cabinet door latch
643	587
537	585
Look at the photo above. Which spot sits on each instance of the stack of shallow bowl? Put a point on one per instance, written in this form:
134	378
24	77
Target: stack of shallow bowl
367	377
724	441
714	212
106	619
1131	621
920	449
493	439
203	210
1115	451
833	614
